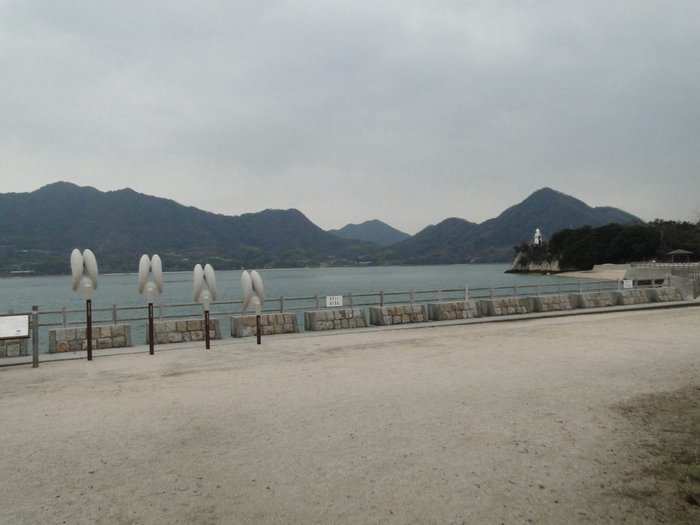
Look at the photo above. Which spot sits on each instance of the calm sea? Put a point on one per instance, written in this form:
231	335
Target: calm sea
18	294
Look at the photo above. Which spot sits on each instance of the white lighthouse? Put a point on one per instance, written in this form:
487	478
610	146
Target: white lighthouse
537	240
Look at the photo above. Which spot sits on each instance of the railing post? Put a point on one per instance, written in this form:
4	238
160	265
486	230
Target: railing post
515	290
381	297
491	293
282	304
537	290
350	299
439	296
64	317
114	314
466	293
35	336
318	302
412	295
160	311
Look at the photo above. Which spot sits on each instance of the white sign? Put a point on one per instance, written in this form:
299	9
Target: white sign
334	301
14	326
627	284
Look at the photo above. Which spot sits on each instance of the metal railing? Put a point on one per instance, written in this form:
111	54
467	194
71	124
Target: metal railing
43	320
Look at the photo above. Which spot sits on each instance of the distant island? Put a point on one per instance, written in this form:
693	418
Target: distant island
582	248
40	228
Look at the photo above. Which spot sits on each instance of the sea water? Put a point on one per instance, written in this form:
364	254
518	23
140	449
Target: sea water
52	293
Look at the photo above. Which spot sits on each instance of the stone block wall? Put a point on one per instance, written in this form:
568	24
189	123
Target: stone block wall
629	297
506	306
449	311
271	324
555	302
183	330
103	336
597	299
664	295
398	314
14	347
335	319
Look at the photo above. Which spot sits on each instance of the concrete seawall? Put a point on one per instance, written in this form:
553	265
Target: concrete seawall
270	324
398	314
13	347
506	306
184	330
103	336
335	319
452	310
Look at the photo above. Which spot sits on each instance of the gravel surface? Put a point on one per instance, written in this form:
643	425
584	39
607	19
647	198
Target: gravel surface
544	421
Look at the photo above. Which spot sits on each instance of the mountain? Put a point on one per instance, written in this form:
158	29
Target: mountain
442	243
374	231
40	228
456	240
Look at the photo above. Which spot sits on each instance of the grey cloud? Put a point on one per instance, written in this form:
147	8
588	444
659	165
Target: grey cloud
404	111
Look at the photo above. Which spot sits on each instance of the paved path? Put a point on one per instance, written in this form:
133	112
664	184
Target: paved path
489	423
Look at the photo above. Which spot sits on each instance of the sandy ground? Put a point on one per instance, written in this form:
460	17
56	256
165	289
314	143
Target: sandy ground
547	421
600	272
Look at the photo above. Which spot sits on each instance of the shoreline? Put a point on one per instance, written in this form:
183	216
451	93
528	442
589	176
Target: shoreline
601	272
281	268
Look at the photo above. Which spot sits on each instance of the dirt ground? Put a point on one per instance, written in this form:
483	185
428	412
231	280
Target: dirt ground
590	419
664	478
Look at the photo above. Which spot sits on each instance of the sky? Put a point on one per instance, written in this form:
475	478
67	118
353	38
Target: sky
403	111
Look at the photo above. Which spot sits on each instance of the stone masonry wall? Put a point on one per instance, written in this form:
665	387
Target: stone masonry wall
664	295
555	302
14	347
271	324
634	296
449	311
335	319
506	306
398	314
183	330
597	299
103	336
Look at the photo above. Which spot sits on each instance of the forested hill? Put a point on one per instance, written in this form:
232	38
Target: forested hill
374	231
582	248
457	240
40	228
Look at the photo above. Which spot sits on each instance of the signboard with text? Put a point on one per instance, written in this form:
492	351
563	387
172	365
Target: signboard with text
627	284
14	327
334	301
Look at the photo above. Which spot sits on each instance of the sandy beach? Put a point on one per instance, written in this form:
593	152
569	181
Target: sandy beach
601	272
544	421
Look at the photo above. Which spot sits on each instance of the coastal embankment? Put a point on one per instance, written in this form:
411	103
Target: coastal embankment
564	420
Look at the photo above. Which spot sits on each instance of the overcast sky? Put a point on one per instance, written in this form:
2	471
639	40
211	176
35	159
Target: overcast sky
404	111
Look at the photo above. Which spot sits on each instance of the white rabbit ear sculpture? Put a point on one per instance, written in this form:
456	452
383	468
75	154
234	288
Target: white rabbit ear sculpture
204	285
253	290
150	267
84	272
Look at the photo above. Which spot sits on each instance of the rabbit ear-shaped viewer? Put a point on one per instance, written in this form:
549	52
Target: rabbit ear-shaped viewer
83	265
